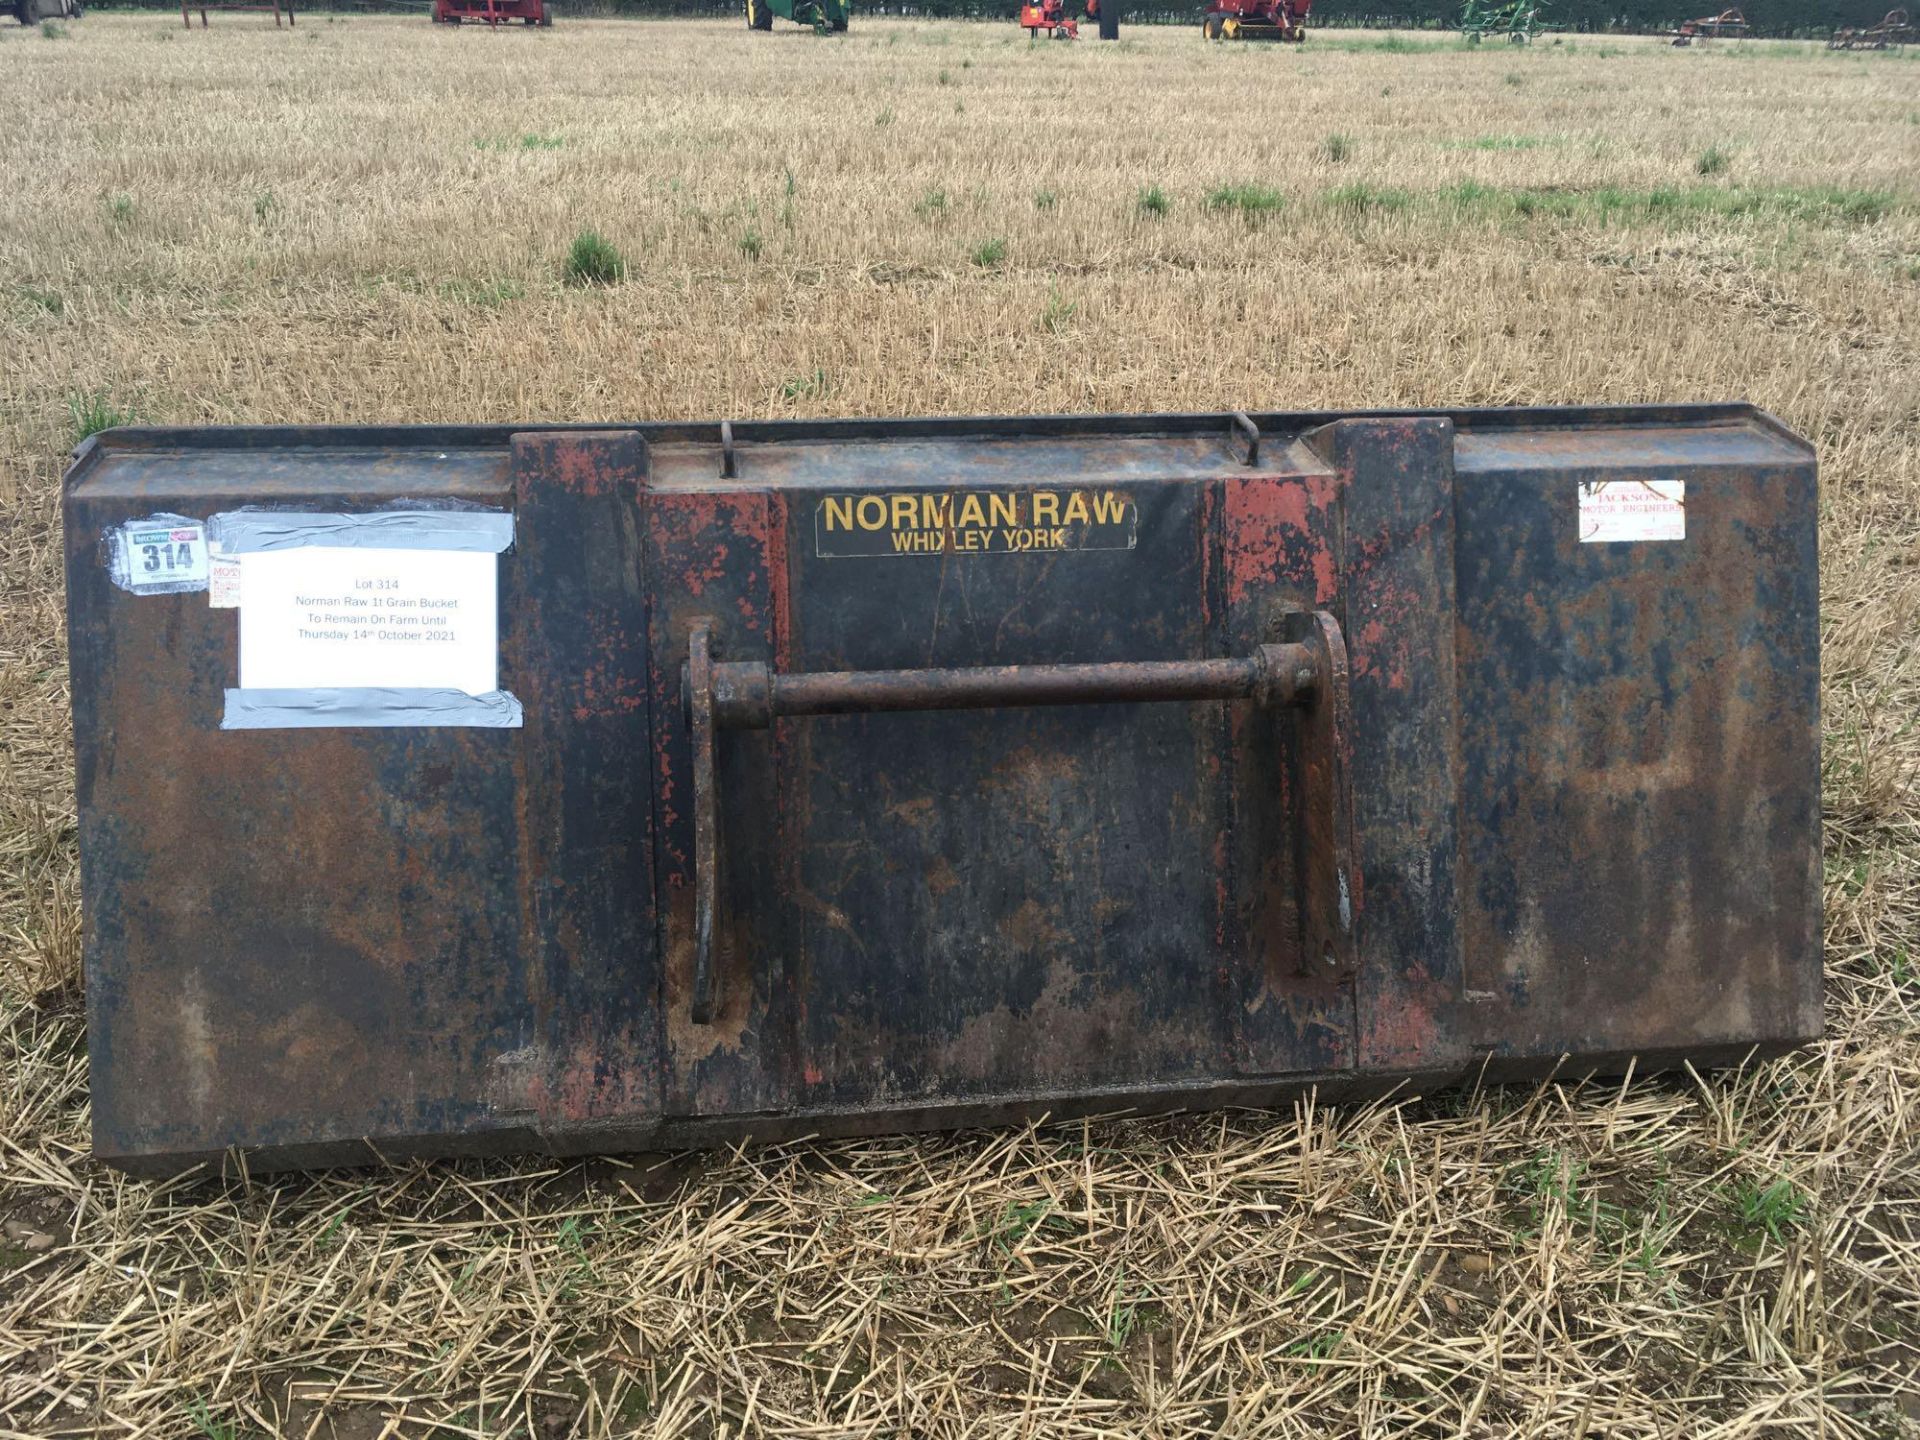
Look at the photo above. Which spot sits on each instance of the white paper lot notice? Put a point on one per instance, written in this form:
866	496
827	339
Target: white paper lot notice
326	617
1612	510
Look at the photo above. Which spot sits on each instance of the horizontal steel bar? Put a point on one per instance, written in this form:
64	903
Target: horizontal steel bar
749	695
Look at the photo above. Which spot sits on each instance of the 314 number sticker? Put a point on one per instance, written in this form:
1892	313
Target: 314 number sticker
160	556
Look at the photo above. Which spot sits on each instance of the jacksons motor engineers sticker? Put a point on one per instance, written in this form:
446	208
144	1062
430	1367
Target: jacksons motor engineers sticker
979	522
1612	510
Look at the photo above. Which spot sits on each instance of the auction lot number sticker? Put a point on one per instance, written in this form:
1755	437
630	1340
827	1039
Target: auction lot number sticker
158	556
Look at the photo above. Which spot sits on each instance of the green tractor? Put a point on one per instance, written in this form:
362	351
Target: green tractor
825	16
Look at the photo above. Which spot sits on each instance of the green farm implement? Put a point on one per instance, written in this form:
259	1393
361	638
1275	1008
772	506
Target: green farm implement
825	16
1517	20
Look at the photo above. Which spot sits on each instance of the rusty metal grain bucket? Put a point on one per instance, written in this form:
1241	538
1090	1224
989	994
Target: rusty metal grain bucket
472	789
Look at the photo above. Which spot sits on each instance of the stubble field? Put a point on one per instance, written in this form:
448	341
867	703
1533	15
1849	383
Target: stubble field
365	220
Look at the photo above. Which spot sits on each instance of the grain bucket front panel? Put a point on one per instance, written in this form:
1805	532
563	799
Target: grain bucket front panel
474	789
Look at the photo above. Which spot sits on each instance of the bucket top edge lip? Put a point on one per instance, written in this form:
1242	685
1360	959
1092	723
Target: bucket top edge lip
496	436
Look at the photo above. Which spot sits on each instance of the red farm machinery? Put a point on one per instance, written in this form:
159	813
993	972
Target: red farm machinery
492	12
1281	20
1050	18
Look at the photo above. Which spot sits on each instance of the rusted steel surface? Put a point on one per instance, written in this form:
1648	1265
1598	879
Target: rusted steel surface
836	806
750	695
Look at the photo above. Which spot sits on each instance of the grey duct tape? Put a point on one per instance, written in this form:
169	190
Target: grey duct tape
241	532
352	709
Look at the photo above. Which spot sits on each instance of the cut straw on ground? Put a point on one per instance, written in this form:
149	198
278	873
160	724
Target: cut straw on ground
374	219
